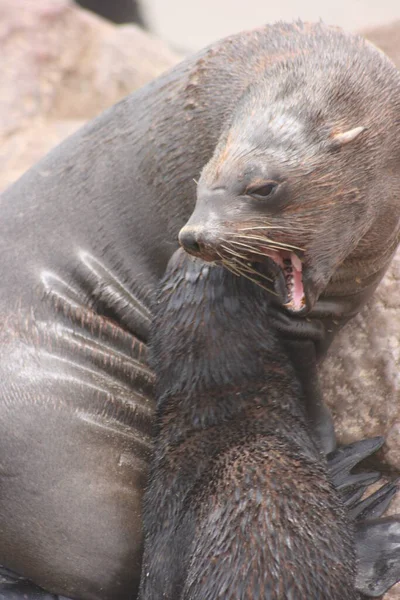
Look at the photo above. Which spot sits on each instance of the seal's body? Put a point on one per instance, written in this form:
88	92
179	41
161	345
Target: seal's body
85	236
240	502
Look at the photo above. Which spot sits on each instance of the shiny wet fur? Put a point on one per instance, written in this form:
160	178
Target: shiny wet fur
85	237
240	504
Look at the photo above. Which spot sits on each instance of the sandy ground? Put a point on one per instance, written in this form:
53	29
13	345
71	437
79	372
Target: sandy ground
194	23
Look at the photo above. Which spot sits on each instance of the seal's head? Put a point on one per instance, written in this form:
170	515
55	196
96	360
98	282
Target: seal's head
302	172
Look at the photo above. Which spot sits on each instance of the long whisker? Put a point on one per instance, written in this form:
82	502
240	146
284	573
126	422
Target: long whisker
254	272
261	223
233	252
238	267
244	274
232	266
268	246
246	265
261	227
269	242
228	265
267	227
252	249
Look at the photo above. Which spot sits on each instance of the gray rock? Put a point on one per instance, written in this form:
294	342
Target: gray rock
61	66
361	375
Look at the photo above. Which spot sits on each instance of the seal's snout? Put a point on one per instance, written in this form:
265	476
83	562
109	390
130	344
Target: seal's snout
189	240
195	240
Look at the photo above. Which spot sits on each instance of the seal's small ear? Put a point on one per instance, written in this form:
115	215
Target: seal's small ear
340	139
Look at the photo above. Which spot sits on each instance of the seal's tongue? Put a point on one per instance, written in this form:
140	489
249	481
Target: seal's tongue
292	268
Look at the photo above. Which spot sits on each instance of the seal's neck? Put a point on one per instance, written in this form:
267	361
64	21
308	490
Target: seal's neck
212	333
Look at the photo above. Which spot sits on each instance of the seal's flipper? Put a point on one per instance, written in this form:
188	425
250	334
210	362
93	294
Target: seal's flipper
378	556
377	540
343	460
14	587
375	505
355	486
303	356
26	591
352	486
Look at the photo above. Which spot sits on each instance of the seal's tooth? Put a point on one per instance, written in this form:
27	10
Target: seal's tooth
296	262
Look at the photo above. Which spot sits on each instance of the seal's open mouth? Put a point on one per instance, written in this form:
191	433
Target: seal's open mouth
290	278
244	256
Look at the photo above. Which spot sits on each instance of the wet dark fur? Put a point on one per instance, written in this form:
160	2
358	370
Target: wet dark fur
85	236
239	503
335	200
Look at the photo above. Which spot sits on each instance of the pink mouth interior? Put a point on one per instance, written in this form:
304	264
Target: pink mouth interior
292	268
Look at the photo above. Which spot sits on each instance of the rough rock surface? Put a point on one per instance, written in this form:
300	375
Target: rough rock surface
62	65
361	375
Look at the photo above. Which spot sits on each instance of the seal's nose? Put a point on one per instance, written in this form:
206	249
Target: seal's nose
189	240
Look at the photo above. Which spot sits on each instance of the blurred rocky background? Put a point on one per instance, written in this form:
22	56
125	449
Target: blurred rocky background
62	65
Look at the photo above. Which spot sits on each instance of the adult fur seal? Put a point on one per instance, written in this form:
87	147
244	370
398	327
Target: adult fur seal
240	504
297	180
87	233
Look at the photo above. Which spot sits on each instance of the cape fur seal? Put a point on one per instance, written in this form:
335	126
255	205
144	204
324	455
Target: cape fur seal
305	178
85	236
241	504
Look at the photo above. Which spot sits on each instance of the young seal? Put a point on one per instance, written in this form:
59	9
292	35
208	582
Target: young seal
85	236
240	503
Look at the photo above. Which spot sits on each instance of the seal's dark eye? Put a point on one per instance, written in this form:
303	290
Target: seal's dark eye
262	191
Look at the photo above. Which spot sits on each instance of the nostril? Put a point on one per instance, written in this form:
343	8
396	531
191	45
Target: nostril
188	240
195	246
